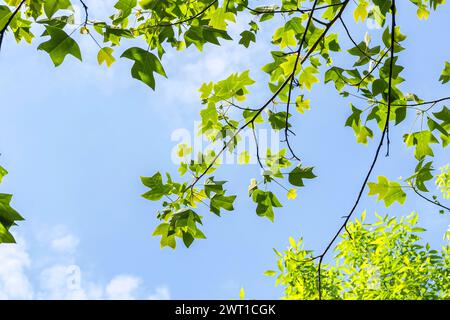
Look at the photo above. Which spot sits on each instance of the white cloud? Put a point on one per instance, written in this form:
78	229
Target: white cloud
161	293
123	287
14	259
60	282
59	279
65	243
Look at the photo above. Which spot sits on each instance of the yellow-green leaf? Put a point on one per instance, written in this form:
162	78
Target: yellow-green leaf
244	158
292	194
307	77
242	294
423	13
301	104
105	56
361	12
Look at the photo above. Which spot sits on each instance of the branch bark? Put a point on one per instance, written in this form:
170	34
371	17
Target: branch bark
385	134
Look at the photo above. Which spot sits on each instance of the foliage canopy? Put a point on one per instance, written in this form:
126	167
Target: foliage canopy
306	44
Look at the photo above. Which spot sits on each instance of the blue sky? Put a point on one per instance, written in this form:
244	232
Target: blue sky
76	139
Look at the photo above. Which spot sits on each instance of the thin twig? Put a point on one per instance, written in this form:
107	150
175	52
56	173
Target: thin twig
353	41
286	129
437	203
274	95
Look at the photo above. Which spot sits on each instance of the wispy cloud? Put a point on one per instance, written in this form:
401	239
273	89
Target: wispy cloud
123	287
14	283
25	276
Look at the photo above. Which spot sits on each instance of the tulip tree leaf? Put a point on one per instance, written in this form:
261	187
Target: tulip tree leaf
387	191
59	46
145	64
445	76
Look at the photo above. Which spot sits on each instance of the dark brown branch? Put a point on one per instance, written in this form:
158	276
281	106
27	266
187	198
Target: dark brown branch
10	19
373	69
286	129
257	147
86	13
353	41
195	16
374	161
432	102
424	103
294	10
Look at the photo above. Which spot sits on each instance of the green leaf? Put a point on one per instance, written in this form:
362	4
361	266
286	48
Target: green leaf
5	14
421	141
5	235
212	186
219	201
161	229
362	133
59	46
246	38
379	86
187	239
284	38
266	201
8	218
145	64
52	6
278	120
307	77
3	173
125	8
158	189
301	104
421	175
219	18
387	191
270	273
299	173
445	75
244	157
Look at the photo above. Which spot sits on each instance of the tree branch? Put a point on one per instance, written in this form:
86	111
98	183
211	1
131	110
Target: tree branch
436	203
277	92
294	10
374	161
286	129
86	13
10	19
195	16
353	41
